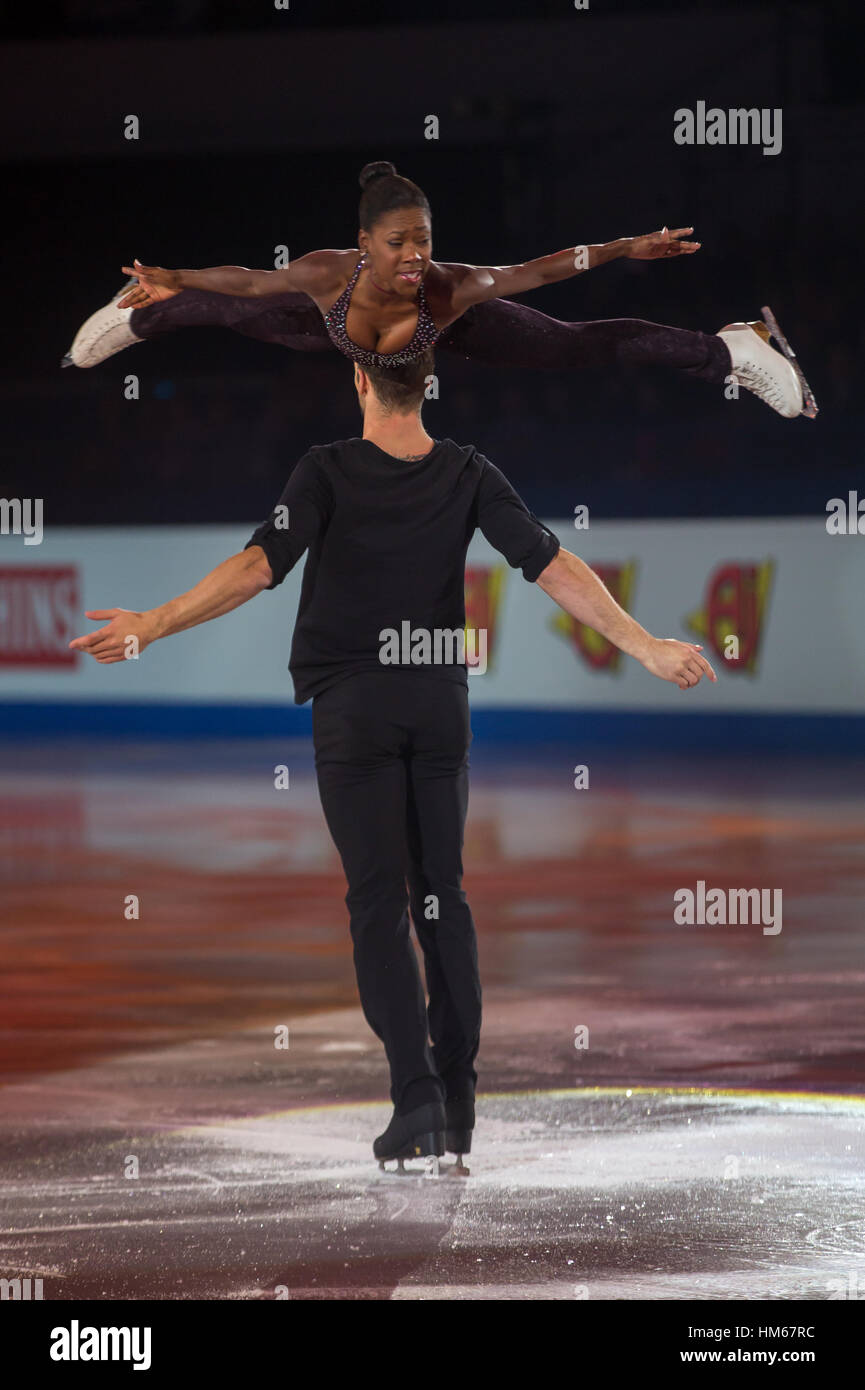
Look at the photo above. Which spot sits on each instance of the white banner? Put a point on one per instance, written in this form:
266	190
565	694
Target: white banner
777	605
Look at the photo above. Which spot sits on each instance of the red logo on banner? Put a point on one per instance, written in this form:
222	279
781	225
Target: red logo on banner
484	585
732	619
37	611
595	650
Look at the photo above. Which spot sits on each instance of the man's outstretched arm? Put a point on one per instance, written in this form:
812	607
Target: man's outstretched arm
232	583
579	591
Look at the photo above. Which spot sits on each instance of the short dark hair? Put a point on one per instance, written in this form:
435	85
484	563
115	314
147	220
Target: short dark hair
401	389
384	190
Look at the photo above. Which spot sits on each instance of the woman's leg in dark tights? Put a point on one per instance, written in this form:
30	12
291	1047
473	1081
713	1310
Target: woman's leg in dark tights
289	319
499	332
502	333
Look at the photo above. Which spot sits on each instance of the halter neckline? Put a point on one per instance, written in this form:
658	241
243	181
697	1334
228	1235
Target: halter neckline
424	336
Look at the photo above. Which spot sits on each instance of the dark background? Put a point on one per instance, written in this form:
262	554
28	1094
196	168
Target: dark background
556	129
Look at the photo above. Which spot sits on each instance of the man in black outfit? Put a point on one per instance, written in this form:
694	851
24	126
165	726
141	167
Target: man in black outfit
387	520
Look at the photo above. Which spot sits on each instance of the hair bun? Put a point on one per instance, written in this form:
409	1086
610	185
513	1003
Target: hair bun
380	168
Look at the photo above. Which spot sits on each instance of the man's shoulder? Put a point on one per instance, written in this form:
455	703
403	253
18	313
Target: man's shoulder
335	451
467	453
320	459
321	453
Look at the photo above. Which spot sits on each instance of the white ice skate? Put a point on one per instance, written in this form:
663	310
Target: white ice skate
774	377
104	333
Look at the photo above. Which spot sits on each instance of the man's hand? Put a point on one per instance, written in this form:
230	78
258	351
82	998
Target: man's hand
154	283
656	245
232	583
676	661
114	641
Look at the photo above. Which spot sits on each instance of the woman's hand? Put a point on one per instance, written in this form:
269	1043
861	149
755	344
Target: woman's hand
656	245
154	284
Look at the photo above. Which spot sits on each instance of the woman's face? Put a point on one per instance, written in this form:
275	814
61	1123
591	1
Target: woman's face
399	249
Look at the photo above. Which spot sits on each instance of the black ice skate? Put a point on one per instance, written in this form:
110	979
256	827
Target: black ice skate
418	1134
460	1121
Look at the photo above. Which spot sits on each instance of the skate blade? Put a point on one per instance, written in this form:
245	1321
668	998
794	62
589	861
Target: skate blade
809	405
458	1169
431	1168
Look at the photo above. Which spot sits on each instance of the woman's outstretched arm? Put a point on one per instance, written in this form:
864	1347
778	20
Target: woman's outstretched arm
471	284
316	274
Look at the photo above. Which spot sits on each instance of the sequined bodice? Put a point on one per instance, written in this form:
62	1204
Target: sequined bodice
423	337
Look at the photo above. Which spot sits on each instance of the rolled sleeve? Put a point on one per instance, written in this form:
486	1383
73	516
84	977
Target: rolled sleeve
503	517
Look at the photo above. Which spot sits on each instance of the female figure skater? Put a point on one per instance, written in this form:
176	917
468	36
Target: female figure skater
384	303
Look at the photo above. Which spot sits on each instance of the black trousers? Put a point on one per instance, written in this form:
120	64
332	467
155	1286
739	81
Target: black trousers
391	755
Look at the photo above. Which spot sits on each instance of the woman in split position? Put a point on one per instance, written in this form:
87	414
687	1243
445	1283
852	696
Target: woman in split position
386	301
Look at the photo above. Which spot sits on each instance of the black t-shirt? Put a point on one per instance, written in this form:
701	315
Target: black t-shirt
387	541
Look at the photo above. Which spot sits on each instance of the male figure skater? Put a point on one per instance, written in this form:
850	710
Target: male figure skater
386	521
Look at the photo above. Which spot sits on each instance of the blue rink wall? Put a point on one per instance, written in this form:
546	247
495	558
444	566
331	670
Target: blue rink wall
639	732
776	605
